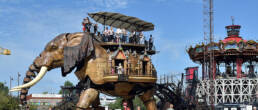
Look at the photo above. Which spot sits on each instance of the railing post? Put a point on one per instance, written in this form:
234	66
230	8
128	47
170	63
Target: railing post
160	79
164	79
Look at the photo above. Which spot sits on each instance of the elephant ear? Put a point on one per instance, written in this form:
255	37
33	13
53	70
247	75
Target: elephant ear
75	56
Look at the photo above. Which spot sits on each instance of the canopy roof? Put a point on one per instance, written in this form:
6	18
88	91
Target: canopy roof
121	21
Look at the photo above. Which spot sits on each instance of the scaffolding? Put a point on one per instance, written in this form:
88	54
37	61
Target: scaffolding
230	90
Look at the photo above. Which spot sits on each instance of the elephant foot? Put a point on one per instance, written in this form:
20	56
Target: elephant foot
99	108
88	97
148	100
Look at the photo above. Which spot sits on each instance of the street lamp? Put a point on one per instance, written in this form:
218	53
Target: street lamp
11	84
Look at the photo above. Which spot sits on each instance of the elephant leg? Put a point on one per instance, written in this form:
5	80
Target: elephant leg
130	104
148	100
87	98
96	104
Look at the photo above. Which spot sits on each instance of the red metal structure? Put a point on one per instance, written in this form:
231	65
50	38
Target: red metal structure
191	73
230	53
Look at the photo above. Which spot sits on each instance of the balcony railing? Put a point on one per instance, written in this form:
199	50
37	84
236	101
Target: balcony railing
131	74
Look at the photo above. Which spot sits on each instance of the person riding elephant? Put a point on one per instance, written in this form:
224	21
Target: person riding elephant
86	24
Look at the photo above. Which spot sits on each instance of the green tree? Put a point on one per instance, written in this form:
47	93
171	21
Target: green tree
117	104
45	92
66	84
3	88
7	102
33	107
138	102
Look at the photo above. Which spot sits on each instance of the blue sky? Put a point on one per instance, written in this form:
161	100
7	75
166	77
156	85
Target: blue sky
27	25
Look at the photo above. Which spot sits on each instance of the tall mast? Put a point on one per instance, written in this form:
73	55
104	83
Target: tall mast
211	39
208	36
205	35
209	28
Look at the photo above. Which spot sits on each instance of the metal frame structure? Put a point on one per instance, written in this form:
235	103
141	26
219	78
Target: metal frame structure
230	90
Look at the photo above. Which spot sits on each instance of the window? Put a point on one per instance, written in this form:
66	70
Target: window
144	67
231	46
213	48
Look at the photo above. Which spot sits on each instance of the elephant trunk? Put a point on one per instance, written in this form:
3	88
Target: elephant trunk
30	74
30	80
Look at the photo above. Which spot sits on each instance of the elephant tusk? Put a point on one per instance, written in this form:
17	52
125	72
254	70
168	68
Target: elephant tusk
43	71
15	89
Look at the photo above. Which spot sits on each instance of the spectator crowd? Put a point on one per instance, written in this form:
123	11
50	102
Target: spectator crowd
118	35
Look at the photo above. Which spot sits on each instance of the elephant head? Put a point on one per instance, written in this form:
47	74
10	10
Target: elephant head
67	51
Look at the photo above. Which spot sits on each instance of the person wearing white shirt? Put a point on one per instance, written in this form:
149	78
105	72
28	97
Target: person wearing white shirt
120	69
105	34
142	38
118	34
171	107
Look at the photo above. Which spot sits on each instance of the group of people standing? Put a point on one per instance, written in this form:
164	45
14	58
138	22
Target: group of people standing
118	35
122	36
110	36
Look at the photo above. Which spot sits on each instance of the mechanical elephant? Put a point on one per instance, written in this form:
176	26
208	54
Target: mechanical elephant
81	51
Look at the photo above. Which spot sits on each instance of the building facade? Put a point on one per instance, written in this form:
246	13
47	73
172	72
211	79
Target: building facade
44	101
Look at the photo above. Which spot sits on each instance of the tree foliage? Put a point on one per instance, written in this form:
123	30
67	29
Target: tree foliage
7	102
66	84
117	104
33	107
3	88
45	92
138	102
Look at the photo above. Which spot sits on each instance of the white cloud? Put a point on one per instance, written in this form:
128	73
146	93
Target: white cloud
166	46
194	1
33	28
188	1
27	38
11	1
161	0
106	4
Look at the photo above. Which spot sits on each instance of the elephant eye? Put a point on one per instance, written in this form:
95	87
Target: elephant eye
53	47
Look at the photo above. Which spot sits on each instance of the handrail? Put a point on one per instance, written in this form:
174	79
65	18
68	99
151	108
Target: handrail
131	74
